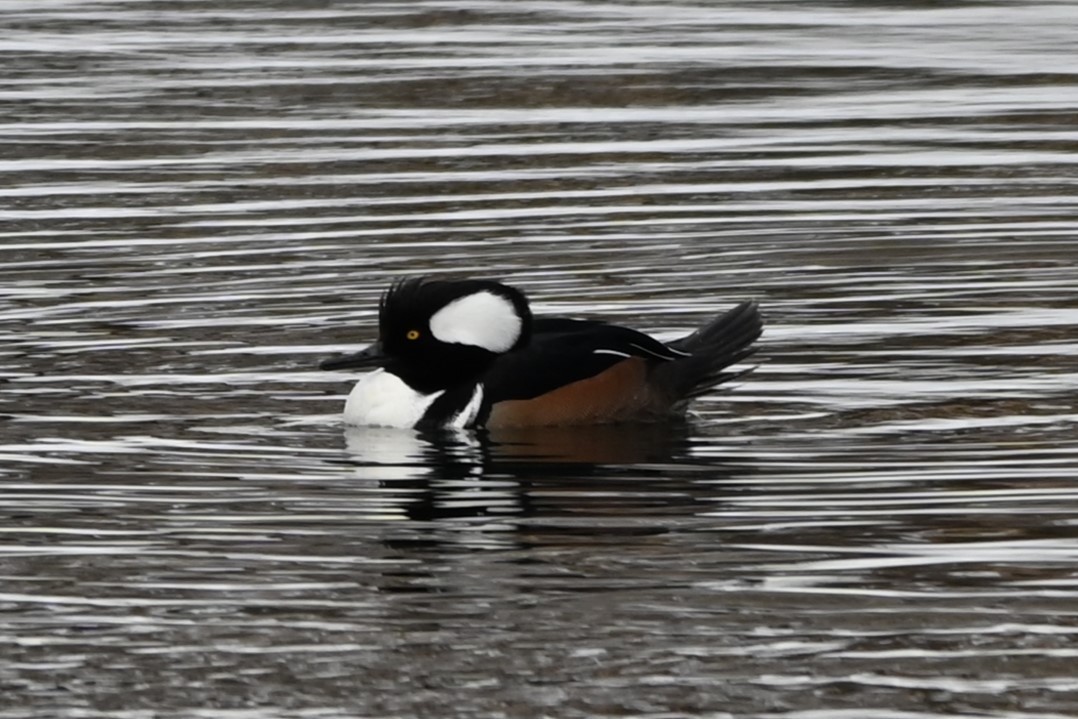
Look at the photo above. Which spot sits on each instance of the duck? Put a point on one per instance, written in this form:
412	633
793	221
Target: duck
469	354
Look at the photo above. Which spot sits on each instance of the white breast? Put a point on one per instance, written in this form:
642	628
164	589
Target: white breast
382	399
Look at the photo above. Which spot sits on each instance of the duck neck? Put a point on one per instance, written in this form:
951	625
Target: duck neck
461	368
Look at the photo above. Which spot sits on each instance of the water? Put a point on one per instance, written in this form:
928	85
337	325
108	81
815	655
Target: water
201	200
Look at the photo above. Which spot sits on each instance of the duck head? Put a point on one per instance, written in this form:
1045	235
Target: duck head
435	333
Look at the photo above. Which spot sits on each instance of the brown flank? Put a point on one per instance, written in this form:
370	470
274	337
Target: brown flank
618	394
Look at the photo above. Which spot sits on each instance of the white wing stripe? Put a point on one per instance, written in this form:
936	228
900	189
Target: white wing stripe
467	415
669	349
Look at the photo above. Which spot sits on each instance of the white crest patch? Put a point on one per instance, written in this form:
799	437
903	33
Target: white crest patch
382	399
482	319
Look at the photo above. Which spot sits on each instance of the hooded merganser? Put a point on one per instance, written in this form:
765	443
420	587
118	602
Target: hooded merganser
469	353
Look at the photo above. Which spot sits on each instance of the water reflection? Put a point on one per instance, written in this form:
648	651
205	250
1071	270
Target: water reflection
391	453
531	473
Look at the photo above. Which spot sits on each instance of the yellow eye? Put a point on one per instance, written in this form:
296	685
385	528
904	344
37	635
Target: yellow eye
412	334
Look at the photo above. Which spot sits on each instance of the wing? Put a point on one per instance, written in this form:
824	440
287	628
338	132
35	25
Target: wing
563	351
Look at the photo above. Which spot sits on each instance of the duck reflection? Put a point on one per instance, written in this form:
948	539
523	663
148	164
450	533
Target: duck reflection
494	479
629	444
409	453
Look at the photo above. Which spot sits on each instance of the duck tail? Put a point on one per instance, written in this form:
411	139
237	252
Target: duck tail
709	351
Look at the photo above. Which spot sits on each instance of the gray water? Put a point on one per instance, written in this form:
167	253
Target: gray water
201	200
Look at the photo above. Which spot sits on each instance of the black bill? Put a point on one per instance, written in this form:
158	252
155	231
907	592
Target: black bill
372	356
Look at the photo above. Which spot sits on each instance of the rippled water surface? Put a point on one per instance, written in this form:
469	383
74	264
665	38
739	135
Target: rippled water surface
200	200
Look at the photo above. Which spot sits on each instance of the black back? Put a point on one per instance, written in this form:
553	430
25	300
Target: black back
563	351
